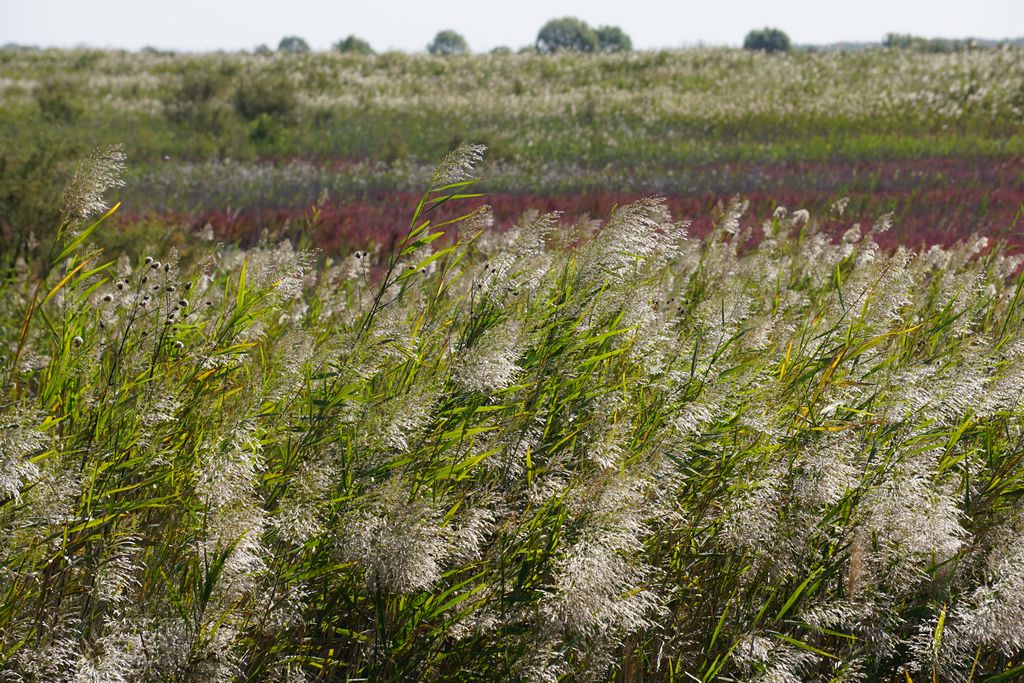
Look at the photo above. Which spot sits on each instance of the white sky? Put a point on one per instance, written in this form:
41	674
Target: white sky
197	25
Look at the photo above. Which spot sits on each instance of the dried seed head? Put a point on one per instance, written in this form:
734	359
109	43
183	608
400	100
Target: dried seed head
457	165
98	173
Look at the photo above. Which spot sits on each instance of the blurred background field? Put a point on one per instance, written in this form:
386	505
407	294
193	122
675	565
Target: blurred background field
240	143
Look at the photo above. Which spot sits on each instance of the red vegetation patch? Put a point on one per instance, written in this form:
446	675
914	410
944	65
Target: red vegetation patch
932	201
919	218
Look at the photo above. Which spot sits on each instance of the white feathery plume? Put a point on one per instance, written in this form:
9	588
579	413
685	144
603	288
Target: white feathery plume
993	614
491	363
634	235
19	441
600	585
913	518
399	542
99	172
457	165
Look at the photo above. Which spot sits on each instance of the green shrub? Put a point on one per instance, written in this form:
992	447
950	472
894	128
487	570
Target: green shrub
59	100
200	101
31	180
265	95
265	130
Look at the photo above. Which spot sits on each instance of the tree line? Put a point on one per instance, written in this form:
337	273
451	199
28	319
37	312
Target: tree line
570	34
566	34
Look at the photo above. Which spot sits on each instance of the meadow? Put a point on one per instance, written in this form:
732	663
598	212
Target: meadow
654	400
244	142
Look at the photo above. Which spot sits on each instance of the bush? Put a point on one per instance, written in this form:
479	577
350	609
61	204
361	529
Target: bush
354	45
293	45
448	43
58	100
270	96
567	34
198	101
30	190
767	40
264	130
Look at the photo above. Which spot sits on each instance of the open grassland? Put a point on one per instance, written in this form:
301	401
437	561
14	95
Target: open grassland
610	452
243	142
638	109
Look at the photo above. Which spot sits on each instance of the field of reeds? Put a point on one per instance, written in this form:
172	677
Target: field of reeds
605	452
716	376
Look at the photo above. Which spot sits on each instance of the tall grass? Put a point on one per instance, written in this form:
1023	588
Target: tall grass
603	452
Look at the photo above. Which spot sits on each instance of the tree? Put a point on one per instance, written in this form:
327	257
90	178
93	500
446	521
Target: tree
566	34
448	43
293	45
354	45
613	39
767	40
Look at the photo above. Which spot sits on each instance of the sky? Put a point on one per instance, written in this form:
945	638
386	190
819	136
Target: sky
202	25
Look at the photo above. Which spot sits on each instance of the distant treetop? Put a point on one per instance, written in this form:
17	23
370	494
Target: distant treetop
570	34
613	39
354	45
567	34
767	40
448	42
293	45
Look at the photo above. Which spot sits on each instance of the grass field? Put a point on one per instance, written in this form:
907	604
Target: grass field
241	141
747	409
